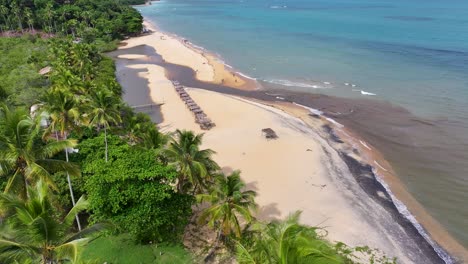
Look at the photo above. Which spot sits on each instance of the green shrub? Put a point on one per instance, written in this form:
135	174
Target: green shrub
133	190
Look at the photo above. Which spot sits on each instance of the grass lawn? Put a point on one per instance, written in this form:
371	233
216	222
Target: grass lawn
121	249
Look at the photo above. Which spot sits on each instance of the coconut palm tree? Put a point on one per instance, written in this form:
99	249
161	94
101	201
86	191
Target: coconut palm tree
230	204
153	139
104	111
5	12
64	111
32	231
287	241
15	9
24	158
194	166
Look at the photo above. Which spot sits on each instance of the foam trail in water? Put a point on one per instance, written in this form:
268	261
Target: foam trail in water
380	166
363	92
278	7
311	110
367	93
403	210
245	76
294	84
320	113
364	144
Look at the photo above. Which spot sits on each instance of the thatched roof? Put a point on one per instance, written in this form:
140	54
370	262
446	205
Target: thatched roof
45	70
269	133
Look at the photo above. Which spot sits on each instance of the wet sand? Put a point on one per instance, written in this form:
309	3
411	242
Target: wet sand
174	119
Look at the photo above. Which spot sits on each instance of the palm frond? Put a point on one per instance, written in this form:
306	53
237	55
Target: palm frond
90	231
81	205
71	250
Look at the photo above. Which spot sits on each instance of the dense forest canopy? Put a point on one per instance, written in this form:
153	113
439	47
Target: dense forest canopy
88	19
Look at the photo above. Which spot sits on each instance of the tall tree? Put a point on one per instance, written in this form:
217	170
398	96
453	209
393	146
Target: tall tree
5	15
15	9
194	166
104	111
24	158
32	231
64	113
230	204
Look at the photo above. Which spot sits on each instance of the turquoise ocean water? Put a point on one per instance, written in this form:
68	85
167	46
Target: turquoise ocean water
411	53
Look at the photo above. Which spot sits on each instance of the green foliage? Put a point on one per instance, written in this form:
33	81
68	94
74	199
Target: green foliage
24	157
20	61
133	190
194	165
230	203
34	230
122	249
133	2
88	19
286	242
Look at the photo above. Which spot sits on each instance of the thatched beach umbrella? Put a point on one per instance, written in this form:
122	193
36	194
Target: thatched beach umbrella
269	133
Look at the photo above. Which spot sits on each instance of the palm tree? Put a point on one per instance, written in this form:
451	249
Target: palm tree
5	14
64	113
283	242
104	112
230	203
17	11
33	232
153	139
193	165
23	157
29	18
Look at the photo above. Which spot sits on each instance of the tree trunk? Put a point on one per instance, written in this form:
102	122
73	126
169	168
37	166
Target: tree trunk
26	194
70	187
211	254
105	140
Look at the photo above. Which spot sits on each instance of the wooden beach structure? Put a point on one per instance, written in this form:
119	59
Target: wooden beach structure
200	117
269	133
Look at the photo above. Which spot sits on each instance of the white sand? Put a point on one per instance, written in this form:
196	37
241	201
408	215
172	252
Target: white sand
173	51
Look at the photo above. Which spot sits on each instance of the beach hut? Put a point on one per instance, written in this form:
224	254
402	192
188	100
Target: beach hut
269	133
45	70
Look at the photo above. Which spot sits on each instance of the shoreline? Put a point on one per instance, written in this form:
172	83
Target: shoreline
223	74
380	162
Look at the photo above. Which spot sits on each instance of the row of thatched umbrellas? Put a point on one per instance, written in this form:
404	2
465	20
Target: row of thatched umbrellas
200	117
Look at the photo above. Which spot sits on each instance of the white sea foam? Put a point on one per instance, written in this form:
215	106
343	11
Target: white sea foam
196	46
279	97
403	210
295	84
363	92
364	144
333	121
246	76
367	93
311	110
380	166
327	83
278	7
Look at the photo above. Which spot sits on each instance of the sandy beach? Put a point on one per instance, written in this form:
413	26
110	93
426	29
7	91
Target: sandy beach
301	170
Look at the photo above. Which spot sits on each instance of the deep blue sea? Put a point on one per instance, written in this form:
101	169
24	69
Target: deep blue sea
411	53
